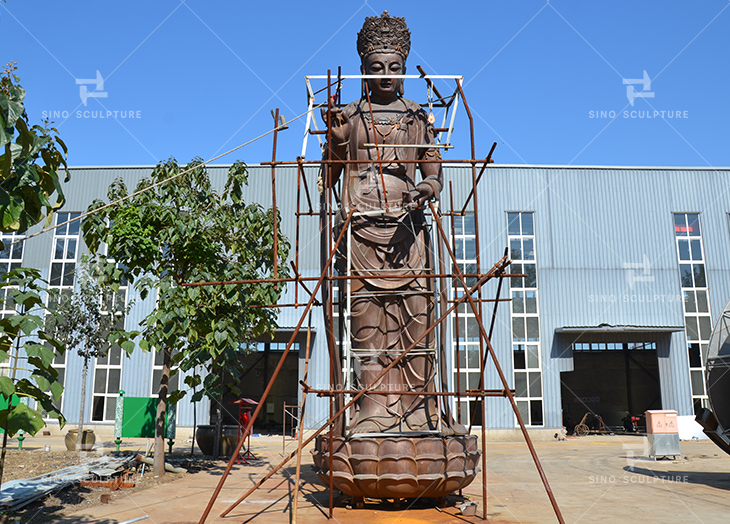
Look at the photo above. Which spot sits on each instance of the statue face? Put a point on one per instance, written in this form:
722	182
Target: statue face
384	64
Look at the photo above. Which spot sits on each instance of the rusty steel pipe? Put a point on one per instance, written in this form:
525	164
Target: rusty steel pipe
487	161
246	431
400	161
443	342
431	85
273	194
301	425
491	327
343	277
479	296
300	167
357	396
317	303
458	364
503	379
484	393
328	299
377	151
295	264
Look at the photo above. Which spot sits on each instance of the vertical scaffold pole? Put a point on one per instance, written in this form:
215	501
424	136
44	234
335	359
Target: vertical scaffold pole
301	424
273	194
330	297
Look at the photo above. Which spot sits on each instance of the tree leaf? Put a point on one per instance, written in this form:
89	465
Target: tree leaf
21	417
45	355
175	396
7	387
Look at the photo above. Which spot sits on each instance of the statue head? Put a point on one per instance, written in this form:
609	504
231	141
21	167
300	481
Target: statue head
383	44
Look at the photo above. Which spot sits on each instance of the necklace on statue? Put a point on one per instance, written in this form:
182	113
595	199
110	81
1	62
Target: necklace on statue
392	125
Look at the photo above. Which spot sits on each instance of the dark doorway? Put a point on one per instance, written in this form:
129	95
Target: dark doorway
611	379
257	369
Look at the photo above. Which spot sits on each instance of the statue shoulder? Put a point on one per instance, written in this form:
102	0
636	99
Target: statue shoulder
415	109
412	105
351	108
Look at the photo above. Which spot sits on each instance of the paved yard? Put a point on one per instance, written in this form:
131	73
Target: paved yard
595	479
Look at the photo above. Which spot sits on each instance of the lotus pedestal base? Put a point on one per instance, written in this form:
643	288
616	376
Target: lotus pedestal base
398	467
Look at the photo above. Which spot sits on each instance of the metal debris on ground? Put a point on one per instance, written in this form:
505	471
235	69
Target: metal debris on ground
168	467
125	480
468	509
135	520
16	494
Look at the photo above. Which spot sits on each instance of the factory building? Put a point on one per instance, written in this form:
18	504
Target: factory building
627	269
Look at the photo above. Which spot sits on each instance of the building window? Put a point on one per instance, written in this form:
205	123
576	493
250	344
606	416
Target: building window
697	316
526	351
108	369
11	258
107	381
465	330
65	250
614	346
64	254
275	346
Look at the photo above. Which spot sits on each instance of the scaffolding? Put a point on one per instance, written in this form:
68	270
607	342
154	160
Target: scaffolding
467	290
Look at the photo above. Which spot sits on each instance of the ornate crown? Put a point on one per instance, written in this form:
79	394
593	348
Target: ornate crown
384	34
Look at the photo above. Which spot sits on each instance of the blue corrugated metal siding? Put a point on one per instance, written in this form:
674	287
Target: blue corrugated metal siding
589	222
317	408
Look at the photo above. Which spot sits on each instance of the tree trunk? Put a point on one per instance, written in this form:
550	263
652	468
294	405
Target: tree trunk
80	435
5	445
217	434
159	466
10	403
195	422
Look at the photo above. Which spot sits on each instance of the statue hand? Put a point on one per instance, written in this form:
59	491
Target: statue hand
426	191
340	122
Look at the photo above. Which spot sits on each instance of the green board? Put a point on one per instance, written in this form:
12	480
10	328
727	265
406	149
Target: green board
4	401
138	418
4	405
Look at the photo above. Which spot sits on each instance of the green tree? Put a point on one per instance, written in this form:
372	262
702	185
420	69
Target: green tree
177	228
30	350
30	162
90	320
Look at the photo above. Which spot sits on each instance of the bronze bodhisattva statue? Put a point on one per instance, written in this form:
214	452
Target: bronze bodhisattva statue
388	315
389	236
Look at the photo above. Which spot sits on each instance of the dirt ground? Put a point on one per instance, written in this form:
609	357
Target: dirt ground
595	479
34	462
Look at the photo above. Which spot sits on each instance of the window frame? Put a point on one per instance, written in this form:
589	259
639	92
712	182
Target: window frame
525	374
695	316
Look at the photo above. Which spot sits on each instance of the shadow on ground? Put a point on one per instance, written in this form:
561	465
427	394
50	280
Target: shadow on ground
315	494
718	480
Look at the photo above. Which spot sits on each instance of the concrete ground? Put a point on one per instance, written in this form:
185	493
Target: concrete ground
595	479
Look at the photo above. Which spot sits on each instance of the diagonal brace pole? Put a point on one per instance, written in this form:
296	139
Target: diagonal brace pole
274	375
486	353
497	267
502	377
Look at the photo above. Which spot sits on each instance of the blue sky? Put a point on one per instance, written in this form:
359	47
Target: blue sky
201	77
